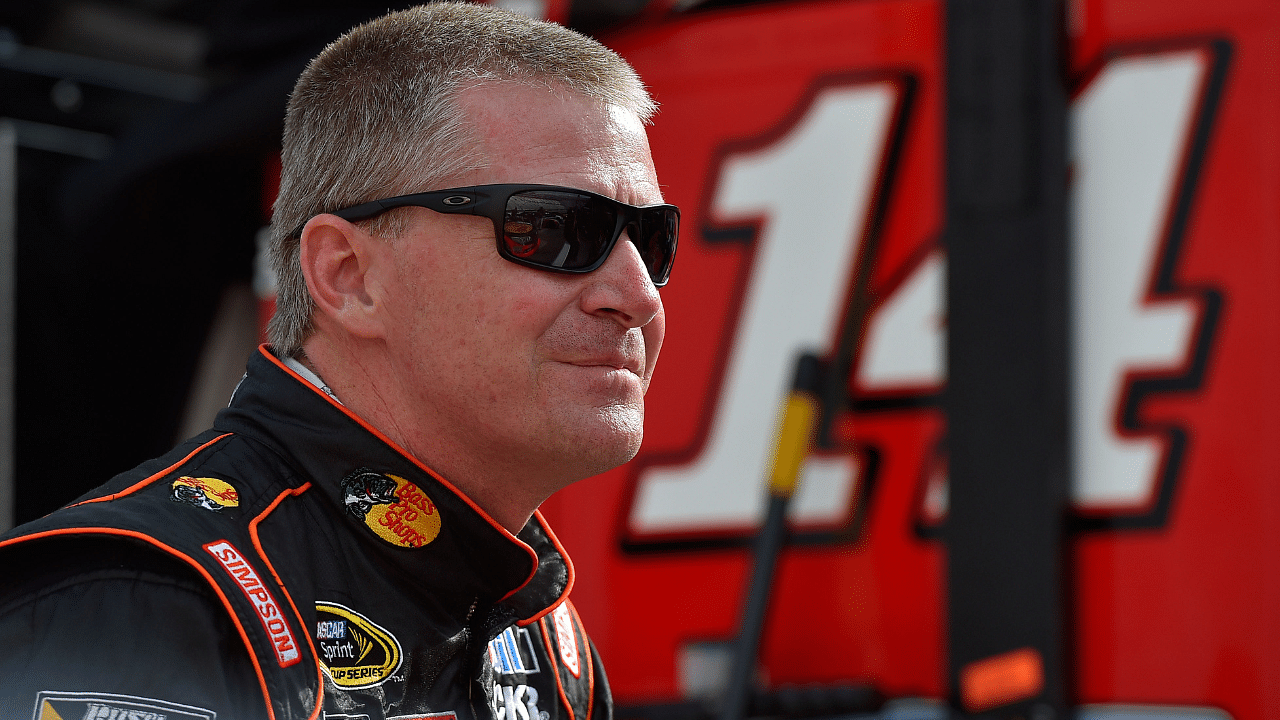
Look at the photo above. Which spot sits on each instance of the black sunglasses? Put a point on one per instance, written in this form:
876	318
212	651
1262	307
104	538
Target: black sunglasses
549	227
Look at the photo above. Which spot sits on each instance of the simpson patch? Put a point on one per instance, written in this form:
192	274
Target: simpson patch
355	651
107	706
269	612
395	509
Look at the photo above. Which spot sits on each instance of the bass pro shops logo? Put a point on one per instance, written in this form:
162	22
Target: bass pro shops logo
355	651
395	509
207	493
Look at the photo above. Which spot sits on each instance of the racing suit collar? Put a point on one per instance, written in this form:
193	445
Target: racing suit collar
471	559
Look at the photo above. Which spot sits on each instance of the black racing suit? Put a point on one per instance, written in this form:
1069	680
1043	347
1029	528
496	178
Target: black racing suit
290	563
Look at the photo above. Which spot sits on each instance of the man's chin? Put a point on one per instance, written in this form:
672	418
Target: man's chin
612	440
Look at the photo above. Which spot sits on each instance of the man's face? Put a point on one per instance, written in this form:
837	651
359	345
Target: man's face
515	369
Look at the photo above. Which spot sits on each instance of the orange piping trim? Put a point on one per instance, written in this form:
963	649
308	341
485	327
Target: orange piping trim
257	668
568	564
257	544
143	483
586	648
378	434
555	669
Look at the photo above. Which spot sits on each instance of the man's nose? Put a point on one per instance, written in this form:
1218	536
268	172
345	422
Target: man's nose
621	289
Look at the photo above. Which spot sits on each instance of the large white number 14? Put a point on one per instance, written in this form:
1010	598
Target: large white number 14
813	188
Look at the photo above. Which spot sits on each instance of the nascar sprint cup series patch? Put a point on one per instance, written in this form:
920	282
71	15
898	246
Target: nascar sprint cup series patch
355	651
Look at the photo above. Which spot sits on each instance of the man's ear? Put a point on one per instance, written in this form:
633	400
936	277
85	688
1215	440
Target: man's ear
336	259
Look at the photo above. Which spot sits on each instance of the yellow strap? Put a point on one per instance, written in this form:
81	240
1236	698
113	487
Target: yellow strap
795	435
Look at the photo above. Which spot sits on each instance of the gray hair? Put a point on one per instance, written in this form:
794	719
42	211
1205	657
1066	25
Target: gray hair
374	115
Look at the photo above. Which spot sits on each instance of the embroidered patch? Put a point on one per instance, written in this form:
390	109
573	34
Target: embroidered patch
516	702
512	652
108	706
208	493
428	716
260	596
566	638
355	651
395	509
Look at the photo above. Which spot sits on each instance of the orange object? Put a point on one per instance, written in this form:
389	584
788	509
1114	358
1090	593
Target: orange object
1002	679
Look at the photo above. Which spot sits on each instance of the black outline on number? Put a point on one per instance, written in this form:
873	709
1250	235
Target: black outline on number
1138	386
852	528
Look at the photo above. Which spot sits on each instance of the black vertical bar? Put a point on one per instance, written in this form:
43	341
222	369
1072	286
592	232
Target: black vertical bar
8	302
1006	397
773	535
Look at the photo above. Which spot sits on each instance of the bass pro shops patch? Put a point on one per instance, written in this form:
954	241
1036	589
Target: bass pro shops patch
107	706
354	651
395	509
207	493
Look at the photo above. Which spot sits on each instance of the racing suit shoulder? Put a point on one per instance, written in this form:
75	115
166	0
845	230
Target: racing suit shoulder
111	623
176	535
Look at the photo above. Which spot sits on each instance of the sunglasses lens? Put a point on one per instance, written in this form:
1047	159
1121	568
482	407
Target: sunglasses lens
557	229
572	231
656	239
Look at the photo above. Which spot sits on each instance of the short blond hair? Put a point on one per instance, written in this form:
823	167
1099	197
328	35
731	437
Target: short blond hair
375	115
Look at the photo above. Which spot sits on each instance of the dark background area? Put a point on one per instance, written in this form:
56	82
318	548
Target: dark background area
143	130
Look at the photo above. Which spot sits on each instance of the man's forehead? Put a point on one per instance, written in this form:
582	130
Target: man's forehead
496	109
529	132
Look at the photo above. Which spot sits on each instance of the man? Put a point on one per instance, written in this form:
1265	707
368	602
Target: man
469	239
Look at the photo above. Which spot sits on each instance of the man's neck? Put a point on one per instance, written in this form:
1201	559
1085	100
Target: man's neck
299	365
363	387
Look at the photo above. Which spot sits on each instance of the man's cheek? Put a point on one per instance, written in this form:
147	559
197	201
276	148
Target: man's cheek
653	334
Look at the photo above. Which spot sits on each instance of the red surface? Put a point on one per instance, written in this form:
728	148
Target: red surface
1184	614
1187	614
867	611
